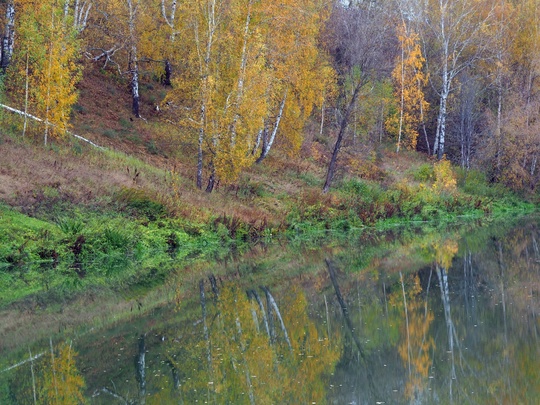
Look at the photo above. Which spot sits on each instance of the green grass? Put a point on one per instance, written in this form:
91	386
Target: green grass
89	248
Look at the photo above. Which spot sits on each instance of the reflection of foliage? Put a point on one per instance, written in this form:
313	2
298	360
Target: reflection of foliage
416	343
49	378
62	384
245	365
445	252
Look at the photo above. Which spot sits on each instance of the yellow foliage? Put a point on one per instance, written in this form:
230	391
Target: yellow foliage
445	251
47	43
409	81
416	344
445	178
62	382
244	360
243	58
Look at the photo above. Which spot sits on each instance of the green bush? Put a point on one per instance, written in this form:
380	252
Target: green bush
355	186
424	173
140	203
70	226
475	182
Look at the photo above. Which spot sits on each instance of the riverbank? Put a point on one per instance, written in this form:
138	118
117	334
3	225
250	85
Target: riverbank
73	216
374	270
74	221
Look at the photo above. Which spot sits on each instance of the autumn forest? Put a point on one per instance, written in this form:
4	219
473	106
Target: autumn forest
280	201
456	79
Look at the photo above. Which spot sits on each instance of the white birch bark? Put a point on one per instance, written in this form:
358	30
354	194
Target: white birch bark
33	117
274	305
204	67
169	17
133	58
80	14
26	96
459	31
8	41
267	143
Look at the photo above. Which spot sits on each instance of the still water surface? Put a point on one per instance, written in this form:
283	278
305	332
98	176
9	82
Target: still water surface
408	316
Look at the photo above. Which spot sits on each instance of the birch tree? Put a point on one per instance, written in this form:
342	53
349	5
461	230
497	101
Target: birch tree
457	30
300	73
409	82
168	12
45	60
114	39
242	80
8	39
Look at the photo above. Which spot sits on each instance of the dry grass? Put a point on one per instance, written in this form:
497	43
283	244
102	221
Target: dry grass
160	158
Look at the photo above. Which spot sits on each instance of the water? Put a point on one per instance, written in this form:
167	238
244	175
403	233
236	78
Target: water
414	315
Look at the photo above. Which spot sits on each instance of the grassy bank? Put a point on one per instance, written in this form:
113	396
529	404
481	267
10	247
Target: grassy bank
73	216
131	239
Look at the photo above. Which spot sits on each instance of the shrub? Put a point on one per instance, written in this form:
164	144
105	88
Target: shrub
70	226
140	203
475	182
424	173
445	178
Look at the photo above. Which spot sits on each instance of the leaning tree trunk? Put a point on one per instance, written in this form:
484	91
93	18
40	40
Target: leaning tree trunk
268	142
271	301
341	134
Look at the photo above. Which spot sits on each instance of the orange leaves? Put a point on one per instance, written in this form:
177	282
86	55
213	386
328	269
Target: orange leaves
409	81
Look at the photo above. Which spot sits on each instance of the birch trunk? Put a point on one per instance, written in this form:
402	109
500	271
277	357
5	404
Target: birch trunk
204	63
80	14
133	59
271	328
272	302
263	311
406	321
26	96
140	370
33	376
268	142
205	326
440	135
170	21
450	329
33	117
8	41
